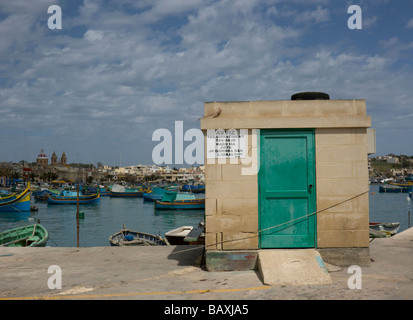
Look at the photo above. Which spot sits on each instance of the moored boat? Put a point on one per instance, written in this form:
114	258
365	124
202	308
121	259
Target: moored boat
16	202
408	183
173	200
193	188
28	236
122	192
383	230
177	236
101	190
153	194
127	237
180	204
70	199
390	188
42	195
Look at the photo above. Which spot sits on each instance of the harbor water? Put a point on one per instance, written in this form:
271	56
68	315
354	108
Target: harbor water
101	220
108	217
390	207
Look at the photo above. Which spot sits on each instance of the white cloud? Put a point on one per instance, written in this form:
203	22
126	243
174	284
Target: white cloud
129	73
368	22
93	35
317	16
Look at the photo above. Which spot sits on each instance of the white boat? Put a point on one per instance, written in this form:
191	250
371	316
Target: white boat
177	236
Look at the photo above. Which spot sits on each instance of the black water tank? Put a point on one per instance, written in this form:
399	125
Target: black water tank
310	96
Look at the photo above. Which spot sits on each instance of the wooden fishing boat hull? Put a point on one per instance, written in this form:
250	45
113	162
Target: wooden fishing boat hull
126	237
390	188
89	199
16	202
27	236
180	204
406	184
126	194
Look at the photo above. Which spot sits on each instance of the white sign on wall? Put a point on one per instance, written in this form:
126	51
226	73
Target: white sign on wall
226	144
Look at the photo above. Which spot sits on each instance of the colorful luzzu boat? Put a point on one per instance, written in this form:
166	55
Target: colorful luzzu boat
17	202
153	194
173	200
118	191
71	198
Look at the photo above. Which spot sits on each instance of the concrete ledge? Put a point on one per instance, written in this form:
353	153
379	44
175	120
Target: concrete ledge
346	256
234	260
270	122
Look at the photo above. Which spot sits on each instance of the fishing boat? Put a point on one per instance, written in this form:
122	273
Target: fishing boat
127	237
177	236
153	194
34	235
173	200
16	202
383	230
122	192
42	195
101	189
70	199
193	188
408	183
187	235
390	188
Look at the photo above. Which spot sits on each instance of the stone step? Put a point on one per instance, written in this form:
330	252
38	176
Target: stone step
282	267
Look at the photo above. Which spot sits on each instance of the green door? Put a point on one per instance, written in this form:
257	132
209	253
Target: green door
286	182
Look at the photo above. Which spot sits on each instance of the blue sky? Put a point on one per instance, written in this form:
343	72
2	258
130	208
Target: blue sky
118	70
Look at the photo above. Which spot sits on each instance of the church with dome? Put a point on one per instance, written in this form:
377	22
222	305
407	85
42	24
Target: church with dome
42	160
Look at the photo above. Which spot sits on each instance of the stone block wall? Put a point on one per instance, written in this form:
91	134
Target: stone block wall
231	209
231	203
341	174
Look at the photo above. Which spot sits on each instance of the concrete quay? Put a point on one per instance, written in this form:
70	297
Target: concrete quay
174	273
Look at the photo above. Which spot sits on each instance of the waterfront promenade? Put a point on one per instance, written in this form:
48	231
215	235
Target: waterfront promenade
173	273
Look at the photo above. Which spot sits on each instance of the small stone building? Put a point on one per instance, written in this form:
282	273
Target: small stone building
286	174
